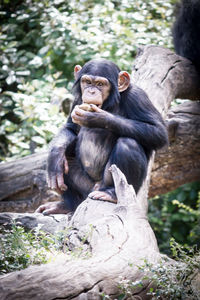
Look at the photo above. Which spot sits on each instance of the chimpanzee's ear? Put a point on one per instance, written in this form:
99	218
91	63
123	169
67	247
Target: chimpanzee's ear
77	69
123	81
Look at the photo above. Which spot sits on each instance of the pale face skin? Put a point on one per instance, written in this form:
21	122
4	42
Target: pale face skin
95	89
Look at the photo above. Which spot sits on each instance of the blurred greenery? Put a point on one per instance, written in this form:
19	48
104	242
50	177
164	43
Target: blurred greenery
176	214
41	42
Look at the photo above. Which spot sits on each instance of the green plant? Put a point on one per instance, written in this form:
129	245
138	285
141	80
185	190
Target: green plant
170	280
176	214
173	280
19	249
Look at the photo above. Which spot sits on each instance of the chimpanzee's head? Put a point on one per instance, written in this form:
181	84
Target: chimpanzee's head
100	82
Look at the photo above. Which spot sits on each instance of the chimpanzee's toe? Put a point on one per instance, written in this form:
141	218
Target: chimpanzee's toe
101	195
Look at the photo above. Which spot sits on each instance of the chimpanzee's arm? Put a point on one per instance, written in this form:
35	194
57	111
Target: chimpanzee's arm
146	127
65	137
150	135
137	118
61	145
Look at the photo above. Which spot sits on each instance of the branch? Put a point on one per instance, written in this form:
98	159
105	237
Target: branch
165	76
179	163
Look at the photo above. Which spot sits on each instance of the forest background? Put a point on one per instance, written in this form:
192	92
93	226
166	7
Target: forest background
41	42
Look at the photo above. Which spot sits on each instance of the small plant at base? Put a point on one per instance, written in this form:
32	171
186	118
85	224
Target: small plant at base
173	280
20	248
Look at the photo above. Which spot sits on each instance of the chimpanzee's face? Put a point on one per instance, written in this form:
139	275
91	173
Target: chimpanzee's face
95	89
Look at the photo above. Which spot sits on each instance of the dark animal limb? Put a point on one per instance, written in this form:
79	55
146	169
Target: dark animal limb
186	31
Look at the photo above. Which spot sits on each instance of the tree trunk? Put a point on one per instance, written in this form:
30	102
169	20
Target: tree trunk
118	236
180	163
23	184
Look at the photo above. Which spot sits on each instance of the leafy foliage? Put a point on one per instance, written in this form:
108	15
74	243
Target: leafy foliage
171	279
19	249
176	214
174	280
40	43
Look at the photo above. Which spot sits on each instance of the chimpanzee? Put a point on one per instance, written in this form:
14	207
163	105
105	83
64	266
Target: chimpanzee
112	122
186	30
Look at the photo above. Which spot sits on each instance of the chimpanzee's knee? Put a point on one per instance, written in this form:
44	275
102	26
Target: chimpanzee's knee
131	159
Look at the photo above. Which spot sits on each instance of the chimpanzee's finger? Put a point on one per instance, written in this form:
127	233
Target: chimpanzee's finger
40	209
53	182
95	108
77	120
66	166
78	111
60	183
48	211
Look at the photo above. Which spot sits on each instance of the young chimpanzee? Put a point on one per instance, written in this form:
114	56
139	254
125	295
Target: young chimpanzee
112	122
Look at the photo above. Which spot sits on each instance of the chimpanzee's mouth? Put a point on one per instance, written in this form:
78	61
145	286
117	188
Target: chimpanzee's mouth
98	105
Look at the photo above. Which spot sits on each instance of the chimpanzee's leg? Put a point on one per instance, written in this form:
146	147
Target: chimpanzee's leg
78	186
130	158
78	182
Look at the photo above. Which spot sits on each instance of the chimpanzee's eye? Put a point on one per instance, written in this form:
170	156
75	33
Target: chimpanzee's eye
88	81
100	83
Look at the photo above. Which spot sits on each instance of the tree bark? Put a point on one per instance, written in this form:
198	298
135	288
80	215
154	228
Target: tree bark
118	236
180	163
23	184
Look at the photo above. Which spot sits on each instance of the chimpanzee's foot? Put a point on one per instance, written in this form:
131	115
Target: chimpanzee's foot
103	195
52	208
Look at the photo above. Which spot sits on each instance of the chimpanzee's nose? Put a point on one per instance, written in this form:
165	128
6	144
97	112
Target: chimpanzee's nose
91	90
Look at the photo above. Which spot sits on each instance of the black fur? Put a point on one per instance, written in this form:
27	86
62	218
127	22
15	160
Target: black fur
186	31
126	136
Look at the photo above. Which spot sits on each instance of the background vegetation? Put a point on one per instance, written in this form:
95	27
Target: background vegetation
41	42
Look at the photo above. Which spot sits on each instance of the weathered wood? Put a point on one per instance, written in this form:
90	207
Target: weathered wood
165	76
119	238
29	221
23	184
180	163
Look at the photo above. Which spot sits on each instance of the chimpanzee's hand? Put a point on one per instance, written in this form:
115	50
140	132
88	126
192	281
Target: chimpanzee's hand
52	208
94	118
57	166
